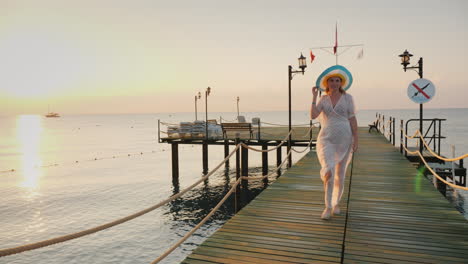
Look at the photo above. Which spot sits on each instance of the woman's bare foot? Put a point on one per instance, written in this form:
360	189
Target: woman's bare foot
336	210
326	214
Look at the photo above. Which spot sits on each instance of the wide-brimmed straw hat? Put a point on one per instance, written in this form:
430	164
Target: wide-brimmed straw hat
335	71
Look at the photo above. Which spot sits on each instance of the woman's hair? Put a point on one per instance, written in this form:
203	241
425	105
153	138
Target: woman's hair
341	88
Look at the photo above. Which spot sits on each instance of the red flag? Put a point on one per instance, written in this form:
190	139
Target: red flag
312	57
335	48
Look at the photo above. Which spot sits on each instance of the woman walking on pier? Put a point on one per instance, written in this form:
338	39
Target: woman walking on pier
338	134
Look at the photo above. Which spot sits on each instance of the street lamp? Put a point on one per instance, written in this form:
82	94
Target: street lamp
197	96
205	143
238	106
207	92
302	66
405	61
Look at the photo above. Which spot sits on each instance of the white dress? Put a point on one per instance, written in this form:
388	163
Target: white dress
334	143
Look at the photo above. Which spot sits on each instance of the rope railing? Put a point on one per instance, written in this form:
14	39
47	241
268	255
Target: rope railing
48	242
273	124
435	154
279	145
214	210
302	151
306	134
270	174
223	119
433	172
268	150
410	137
184	238
418	134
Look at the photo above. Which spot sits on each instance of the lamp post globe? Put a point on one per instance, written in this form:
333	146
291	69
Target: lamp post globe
302	63
405	59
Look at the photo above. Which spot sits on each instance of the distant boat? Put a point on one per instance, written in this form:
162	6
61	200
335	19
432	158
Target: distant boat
52	114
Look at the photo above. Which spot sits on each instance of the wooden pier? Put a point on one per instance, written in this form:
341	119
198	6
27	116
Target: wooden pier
394	215
263	136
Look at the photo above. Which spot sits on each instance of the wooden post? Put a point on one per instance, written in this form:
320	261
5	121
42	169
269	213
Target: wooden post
205	157
394	142
244	165
440	135
401	136
259	134
175	162
265	163
159	131
238	174
278	159
390	130
380	124
226	152
383	125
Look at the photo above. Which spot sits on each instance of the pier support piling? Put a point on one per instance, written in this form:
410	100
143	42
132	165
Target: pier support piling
244	165
205	157
175	162
278	159
265	163
238	174
226	152
401	136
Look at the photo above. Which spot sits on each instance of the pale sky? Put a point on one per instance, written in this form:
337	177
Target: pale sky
138	56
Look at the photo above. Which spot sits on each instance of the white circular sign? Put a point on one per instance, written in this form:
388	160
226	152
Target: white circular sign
421	91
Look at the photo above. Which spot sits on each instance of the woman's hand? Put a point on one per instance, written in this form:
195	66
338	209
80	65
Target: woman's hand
355	145
315	91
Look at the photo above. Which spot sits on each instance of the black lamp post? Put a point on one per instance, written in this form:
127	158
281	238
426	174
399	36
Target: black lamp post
302	66
197	96
405	61
205	143
237	106
207	92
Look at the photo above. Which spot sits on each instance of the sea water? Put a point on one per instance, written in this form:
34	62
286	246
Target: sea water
63	175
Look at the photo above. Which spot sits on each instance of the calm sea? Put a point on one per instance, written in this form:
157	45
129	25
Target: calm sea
80	171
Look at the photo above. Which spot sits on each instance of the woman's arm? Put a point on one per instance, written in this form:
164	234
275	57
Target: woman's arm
353	123
314	112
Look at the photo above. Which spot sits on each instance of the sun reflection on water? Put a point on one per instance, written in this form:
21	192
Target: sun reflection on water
29	129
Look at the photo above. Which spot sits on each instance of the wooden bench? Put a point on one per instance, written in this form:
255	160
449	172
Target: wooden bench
374	125
236	127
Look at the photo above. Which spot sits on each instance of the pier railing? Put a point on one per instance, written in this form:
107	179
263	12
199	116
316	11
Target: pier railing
435	126
418	135
428	155
174	131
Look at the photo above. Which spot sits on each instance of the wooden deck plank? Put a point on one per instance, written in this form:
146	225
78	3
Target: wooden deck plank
395	216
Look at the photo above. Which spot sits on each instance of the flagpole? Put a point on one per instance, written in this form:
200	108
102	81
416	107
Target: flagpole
335	49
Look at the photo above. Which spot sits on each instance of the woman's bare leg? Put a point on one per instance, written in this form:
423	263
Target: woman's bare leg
327	179
340	174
